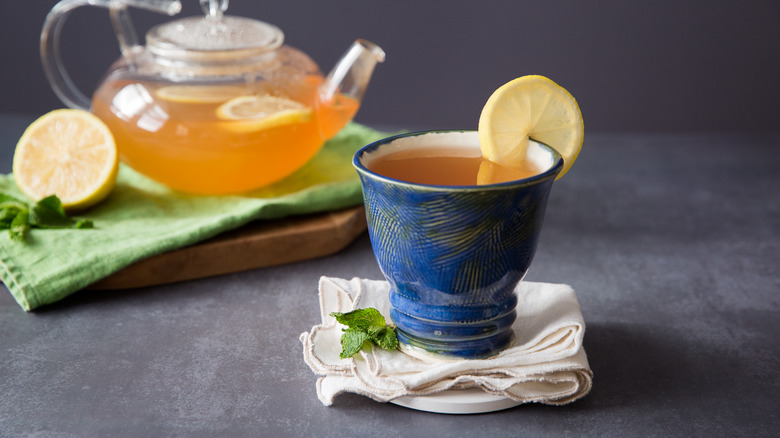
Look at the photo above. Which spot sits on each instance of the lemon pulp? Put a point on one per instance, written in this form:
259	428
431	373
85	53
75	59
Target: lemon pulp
254	113
530	107
69	153
199	93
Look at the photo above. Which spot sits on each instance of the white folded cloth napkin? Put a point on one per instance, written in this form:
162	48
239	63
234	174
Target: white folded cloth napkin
546	364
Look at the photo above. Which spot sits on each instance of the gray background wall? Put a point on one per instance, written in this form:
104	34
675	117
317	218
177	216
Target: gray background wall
667	65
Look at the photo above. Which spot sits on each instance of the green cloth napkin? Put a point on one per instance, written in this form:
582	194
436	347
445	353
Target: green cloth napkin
142	218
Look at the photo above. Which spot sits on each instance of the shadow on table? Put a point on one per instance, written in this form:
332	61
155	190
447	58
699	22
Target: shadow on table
633	365
641	365
89	299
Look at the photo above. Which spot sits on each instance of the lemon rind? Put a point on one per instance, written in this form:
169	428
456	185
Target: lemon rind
506	144
89	194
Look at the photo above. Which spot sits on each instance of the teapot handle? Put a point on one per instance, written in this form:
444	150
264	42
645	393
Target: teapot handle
51	56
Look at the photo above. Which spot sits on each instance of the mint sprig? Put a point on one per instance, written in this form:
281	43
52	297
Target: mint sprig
364	327
18	217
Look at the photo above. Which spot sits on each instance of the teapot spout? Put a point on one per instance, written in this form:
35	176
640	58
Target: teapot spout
352	73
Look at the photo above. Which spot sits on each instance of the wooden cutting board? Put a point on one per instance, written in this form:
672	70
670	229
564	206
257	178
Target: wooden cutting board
256	245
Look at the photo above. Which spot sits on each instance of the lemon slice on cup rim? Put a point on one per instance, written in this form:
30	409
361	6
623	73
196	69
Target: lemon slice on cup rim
69	153
530	107
255	113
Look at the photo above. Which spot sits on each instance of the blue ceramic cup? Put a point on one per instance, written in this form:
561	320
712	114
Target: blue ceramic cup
453	255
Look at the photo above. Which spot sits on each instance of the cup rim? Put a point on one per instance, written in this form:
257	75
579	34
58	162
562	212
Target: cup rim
551	172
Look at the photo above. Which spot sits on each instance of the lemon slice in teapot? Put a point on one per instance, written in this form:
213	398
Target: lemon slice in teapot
199	93
254	113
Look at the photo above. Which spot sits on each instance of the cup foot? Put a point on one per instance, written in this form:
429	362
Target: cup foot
454	350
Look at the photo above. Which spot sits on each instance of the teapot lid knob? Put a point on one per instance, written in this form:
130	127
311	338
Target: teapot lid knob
214	8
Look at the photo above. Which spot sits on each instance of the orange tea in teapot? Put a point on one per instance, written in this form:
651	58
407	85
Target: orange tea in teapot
214	104
214	139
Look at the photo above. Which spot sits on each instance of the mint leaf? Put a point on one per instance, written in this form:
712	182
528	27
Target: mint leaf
385	338
8	200
20	226
18	217
364	327
48	213
52	203
83	223
361	318
352	341
7	215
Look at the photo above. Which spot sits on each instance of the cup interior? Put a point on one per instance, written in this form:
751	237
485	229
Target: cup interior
465	141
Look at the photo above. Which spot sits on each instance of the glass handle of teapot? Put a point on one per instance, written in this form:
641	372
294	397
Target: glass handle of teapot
123	26
51	57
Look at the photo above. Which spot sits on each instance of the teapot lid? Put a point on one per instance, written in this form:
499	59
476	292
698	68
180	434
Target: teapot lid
213	37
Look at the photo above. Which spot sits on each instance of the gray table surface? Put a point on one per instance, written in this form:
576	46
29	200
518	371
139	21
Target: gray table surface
672	242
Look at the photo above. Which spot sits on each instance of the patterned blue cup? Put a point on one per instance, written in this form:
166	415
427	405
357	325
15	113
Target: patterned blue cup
453	254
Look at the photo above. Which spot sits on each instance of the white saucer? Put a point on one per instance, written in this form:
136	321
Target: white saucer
457	401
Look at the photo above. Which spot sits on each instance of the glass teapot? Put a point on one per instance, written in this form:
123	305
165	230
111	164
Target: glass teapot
213	104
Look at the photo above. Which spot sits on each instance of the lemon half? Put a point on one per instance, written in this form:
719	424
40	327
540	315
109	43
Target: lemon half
254	113
530	107
69	153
